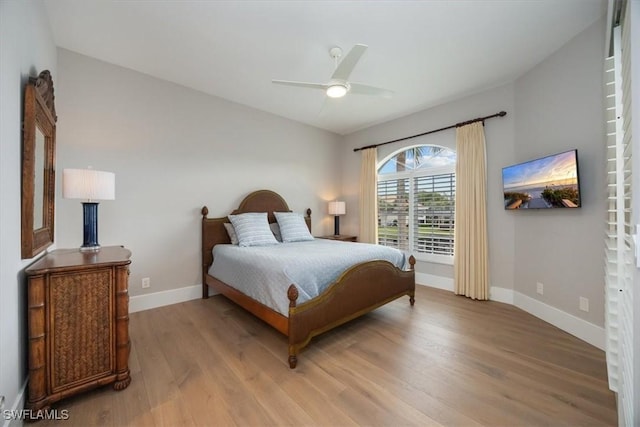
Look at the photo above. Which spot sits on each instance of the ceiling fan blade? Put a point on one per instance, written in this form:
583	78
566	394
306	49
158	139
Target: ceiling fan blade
348	63
361	89
325	104
300	84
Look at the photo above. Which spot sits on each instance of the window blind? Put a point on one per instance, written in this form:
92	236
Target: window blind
614	233
619	244
434	212
626	295
393	213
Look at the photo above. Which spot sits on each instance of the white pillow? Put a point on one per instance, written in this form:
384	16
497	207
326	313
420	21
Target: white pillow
231	232
252	229
293	227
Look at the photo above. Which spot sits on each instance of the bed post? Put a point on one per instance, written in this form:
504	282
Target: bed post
205	287
412	263
412	296
292	294
307	219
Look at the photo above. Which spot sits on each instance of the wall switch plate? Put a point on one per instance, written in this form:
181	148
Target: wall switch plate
540	288
146	282
584	304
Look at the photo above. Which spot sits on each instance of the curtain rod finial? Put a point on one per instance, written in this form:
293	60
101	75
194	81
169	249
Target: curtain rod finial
502	113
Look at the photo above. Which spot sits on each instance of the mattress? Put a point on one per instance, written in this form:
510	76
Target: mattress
265	272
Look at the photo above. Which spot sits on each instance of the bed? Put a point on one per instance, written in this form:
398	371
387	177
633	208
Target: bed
359	289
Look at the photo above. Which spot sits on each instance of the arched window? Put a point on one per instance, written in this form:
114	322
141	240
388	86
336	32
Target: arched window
416	202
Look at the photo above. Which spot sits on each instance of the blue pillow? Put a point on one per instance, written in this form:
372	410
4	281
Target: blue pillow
293	227
252	229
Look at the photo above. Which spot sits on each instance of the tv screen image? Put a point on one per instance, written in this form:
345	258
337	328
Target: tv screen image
545	183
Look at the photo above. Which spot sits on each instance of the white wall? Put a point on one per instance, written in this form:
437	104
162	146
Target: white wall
174	150
499	137
556	106
26	48
559	106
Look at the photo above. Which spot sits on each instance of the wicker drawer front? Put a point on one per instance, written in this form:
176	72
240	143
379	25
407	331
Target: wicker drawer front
81	327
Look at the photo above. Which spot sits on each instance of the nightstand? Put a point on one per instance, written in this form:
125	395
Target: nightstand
78	310
341	237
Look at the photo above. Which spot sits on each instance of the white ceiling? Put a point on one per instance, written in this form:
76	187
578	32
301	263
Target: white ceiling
427	52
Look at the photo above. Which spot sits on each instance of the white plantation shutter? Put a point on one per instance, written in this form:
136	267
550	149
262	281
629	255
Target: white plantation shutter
393	213
626	294
614	232
416	202
433	217
619	245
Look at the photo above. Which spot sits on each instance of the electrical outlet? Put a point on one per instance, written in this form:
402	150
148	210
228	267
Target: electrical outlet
146	282
584	304
540	288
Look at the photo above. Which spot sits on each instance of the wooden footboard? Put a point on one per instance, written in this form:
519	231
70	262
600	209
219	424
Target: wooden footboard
362	288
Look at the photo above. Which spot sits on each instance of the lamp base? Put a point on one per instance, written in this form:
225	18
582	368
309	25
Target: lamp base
90	227
336	226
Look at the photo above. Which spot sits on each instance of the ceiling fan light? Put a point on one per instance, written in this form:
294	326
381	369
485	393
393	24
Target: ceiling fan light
336	91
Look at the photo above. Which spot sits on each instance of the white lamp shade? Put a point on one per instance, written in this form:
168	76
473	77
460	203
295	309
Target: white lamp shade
88	184
337	208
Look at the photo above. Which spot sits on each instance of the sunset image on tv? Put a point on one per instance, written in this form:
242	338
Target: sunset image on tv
549	182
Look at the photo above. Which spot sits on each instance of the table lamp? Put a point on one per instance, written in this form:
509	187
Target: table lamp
336	209
89	185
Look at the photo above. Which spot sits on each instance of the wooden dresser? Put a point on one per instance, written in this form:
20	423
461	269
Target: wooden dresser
78	323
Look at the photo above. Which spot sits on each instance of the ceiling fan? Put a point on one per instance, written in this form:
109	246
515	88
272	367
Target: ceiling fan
339	84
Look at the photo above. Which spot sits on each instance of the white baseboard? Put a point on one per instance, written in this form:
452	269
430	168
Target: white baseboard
569	323
446	283
162	298
433	281
580	328
501	295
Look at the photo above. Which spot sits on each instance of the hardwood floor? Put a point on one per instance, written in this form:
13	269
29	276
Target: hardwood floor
447	361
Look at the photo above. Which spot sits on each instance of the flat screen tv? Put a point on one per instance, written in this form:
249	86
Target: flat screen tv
546	183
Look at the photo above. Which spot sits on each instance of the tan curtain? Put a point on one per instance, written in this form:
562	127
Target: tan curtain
368	197
471	275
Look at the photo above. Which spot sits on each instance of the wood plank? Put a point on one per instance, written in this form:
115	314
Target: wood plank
279	407
160	383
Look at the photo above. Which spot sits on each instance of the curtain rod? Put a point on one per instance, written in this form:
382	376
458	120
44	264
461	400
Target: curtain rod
457	125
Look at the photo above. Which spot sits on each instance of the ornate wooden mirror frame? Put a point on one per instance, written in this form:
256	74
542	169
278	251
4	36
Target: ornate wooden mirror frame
38	165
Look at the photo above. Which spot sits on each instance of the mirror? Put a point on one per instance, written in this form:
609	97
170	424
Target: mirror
38	184
38	165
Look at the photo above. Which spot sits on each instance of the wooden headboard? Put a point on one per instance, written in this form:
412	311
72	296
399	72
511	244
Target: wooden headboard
213	231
